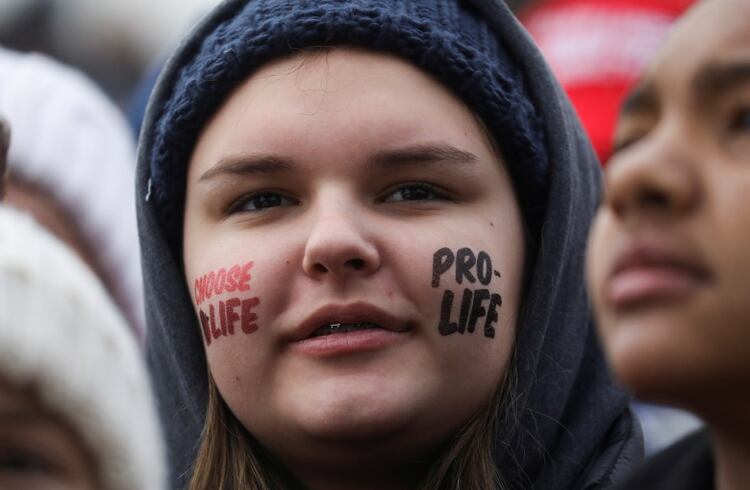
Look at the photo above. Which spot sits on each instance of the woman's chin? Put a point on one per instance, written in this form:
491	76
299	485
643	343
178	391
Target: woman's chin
364	413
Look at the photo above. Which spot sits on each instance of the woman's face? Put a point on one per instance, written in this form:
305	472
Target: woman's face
668	258
354	251
38	451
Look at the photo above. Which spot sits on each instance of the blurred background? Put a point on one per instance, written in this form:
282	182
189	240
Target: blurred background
113	41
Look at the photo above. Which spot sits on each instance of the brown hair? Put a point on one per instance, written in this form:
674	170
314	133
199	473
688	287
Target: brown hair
226	459
229	458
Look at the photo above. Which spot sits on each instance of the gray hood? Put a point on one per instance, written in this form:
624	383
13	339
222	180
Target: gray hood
576	428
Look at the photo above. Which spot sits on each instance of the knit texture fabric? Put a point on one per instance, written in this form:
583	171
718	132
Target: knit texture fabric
62	337
443	38
72	143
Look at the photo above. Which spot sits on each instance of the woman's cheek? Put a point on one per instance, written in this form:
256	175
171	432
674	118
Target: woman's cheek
226	301
467	283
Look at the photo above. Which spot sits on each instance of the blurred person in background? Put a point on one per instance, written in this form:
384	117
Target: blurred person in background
598	49
668	258
71	164
76	408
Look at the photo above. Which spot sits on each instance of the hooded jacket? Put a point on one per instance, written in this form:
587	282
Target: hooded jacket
576	430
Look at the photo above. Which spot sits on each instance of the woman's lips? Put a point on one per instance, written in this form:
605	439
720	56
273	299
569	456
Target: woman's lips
648	273
339	344
384	330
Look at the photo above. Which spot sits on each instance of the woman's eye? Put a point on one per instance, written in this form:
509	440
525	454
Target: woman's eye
261	201
414	192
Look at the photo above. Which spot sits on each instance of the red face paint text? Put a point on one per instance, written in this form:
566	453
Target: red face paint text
232	313
235	278
225	317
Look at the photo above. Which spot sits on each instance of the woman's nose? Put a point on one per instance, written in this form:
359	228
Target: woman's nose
340	245
655	180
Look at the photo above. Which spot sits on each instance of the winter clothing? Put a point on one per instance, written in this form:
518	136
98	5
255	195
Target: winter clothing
63	338
577	431
71	141
598	49
686	465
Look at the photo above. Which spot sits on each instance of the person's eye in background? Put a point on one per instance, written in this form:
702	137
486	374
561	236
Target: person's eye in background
22	468
622	144
740	120
23	461
631	130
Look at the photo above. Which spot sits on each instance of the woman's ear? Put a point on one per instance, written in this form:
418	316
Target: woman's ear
4	143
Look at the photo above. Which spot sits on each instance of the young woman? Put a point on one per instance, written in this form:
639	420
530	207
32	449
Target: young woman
668	263
363	226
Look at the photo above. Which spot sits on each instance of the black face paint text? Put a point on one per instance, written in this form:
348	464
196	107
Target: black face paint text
471	267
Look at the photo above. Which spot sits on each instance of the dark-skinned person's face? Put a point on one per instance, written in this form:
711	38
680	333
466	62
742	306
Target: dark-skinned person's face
668	261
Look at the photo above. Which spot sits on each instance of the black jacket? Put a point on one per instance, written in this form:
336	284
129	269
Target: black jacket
685	465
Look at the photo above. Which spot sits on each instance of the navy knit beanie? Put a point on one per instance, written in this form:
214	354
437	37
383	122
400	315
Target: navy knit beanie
445	38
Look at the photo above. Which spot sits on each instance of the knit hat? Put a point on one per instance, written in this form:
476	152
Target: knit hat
61	336
447	39
73	143
598	49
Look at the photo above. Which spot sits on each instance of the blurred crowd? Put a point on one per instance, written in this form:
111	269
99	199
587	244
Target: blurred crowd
113	42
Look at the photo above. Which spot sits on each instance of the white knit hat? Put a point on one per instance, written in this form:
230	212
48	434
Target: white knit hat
61	336
72	142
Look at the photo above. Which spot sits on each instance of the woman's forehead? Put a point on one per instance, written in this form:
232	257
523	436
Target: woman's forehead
351	100
341	79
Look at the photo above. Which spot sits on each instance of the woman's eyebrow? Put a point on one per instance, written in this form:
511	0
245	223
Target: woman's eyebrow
421	154
417	154
248	165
